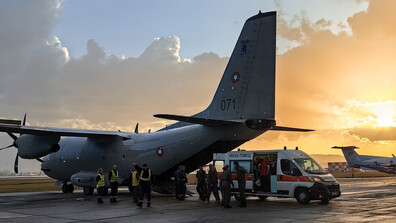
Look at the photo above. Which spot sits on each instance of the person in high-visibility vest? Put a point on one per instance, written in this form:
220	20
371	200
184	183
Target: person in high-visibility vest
100	185
113	178
145	178
134	179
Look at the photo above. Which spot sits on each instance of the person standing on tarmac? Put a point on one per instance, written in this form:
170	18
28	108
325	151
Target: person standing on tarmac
144	184
134	179
226	183
201	183
100	185
241	172
113	178
181	181
212	185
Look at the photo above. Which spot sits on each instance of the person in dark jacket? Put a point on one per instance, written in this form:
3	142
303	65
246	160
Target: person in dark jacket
212	185
100	185
226	183
113	179
181	181
145	178
201	183
241	173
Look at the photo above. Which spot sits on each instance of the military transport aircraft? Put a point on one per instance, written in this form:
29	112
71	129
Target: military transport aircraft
243	108
378	163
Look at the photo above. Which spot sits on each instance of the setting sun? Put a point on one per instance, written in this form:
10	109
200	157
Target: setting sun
384	112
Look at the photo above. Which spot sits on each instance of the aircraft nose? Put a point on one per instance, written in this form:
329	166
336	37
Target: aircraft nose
44	164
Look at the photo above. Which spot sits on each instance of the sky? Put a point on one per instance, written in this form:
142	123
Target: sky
110	64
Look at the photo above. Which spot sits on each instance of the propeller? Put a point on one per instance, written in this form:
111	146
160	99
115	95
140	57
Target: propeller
16	164
137	128
7	147
14	137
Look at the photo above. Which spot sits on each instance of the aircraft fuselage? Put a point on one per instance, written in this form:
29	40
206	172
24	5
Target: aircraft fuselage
162	150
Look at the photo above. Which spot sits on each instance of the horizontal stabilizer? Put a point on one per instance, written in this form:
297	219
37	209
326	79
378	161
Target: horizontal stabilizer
195	120
290	129
345	147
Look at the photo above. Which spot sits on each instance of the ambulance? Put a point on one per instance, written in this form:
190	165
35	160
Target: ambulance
290	174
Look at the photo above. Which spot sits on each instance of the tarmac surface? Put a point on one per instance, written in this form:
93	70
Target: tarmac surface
362	200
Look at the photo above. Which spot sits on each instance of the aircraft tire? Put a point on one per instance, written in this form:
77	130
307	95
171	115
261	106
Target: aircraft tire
70	188
263	197
302	196
64	188
324	200
88	190
237	197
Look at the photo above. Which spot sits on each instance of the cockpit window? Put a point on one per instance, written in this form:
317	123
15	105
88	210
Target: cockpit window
309	165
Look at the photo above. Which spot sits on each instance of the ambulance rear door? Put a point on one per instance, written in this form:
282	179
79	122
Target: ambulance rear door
245	159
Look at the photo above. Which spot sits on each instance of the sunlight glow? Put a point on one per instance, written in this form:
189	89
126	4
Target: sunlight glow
384	112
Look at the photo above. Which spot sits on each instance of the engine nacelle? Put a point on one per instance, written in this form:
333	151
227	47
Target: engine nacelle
36	146
85	179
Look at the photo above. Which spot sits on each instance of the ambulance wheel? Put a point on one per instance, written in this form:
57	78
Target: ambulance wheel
324	200
88	190
237	197
70	188
302	196
64	188
105	191
263	197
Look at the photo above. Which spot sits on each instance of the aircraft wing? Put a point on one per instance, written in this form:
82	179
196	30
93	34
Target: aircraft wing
380	168
60	131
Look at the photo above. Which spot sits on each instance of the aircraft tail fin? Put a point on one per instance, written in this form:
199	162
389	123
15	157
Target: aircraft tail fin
247	88
349	153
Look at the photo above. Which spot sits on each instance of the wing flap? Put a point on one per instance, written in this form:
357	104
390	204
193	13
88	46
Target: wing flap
10	122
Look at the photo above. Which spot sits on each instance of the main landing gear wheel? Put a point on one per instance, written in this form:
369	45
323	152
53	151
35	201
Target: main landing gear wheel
88	190
67	188
324	200
302	196
263	197
64	188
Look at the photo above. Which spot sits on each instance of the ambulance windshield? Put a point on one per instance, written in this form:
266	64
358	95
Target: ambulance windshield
309	165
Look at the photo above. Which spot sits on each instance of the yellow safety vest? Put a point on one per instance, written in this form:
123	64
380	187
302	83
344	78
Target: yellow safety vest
101	182
114	177
145	179
135	180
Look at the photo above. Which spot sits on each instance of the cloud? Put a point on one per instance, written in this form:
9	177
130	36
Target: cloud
375	133
333	83
164	50
315	80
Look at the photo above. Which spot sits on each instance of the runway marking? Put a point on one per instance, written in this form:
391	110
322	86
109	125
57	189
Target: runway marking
364	191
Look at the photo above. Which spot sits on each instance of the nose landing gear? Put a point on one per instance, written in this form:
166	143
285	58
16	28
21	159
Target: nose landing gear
67	188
